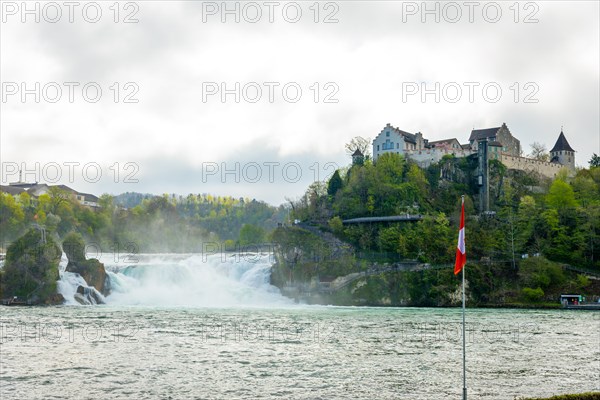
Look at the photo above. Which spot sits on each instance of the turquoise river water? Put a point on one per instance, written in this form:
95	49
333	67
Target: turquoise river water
181	327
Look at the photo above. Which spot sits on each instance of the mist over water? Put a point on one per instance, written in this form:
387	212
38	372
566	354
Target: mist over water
187	280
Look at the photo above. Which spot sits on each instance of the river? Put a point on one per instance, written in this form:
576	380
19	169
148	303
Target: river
188	327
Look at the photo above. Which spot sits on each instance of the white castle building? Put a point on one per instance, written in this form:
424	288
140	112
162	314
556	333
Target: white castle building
502	145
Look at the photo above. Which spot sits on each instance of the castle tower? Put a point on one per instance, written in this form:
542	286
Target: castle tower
562	152
358	158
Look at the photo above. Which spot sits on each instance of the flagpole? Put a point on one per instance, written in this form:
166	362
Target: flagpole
464	338
463	322
459	266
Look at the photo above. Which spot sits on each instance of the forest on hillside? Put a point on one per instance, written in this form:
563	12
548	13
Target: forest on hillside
532	215
164	223
541	238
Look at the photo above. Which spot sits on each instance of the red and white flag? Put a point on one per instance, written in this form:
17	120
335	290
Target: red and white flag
461	254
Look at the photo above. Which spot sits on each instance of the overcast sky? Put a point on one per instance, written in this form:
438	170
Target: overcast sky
362	67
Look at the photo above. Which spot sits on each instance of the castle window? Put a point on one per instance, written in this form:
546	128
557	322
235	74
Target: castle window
387	134
377	147
397	145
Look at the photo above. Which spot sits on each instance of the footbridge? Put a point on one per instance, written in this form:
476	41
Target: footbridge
388	219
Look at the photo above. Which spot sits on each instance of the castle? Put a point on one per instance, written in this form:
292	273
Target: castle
500	145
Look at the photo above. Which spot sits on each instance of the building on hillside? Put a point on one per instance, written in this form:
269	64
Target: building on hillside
501	146
12	190
88	199
394	140
358	158
37	189
431	155
562	152
434	151
494	150
85	199
502	135
450	144
562	156
416	147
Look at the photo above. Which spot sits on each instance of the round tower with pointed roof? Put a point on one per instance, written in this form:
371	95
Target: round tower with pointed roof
562	152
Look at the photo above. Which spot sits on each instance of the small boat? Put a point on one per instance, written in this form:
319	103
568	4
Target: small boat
15	301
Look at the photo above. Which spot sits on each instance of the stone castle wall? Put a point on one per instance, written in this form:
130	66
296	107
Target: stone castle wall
544	168
424	158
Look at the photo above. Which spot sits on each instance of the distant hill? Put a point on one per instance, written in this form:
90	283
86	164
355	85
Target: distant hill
131	199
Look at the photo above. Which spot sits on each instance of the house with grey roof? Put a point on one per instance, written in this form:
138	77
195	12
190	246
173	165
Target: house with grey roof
37	189
13	190
500	135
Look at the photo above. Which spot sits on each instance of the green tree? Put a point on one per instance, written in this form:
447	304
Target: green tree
533	295
335	183
336	225
539	152
390	168
416	176
11	218
561	195
74	247
31	267
251	234
359	143
58	197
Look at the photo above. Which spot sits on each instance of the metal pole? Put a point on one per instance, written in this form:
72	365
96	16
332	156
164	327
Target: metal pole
464	337
487	178
512	239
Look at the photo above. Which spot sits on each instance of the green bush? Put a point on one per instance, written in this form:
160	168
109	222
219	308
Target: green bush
336	225
533	294
583	281
74	247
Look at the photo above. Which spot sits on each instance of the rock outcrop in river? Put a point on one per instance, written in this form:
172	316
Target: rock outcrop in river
31	269
92	270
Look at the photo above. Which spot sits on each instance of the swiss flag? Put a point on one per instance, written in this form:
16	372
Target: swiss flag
461	254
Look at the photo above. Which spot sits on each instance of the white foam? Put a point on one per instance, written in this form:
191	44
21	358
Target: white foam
193	280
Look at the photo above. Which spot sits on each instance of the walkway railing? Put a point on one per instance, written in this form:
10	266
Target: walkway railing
392	218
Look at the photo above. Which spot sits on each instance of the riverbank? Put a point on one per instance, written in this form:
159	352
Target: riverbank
582	396
314	266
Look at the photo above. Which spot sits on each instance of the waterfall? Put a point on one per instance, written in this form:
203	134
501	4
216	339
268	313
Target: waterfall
69	282
189	280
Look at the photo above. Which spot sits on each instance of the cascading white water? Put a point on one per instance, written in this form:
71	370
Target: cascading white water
68	284
195	280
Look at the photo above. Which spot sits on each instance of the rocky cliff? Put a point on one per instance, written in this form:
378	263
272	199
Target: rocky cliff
31	269
92	270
